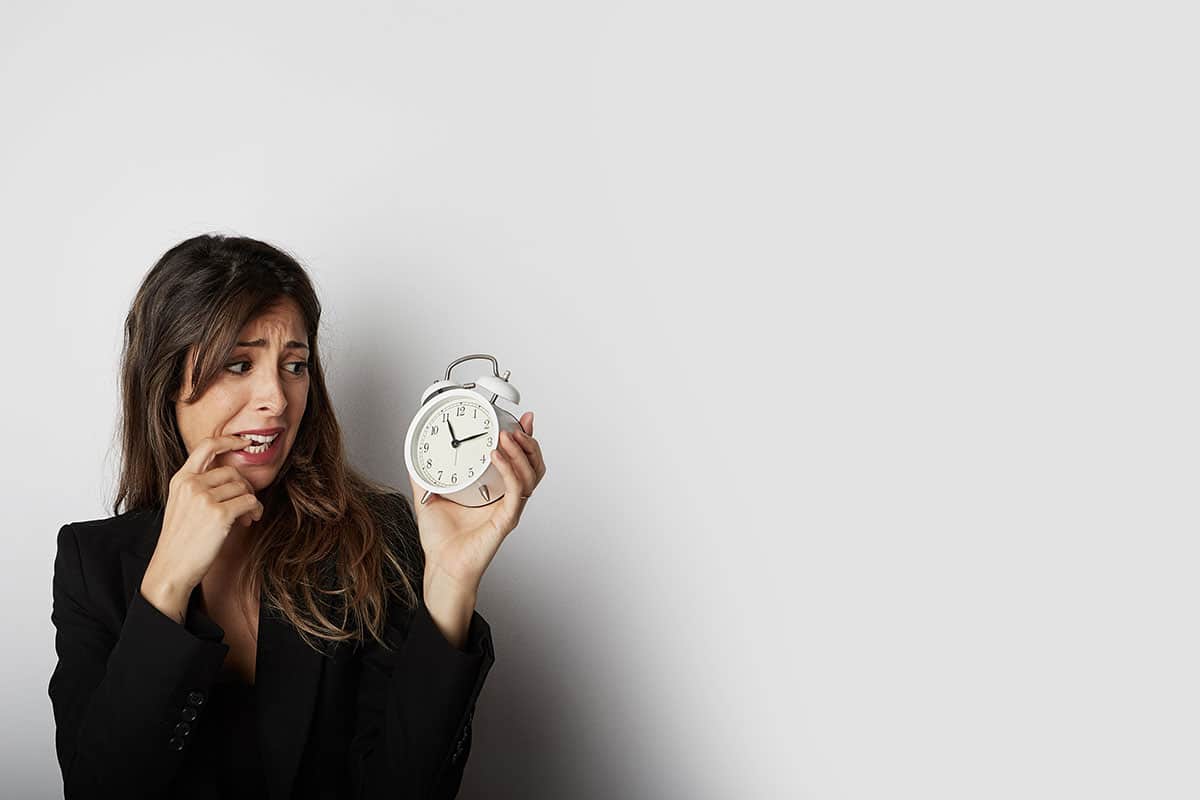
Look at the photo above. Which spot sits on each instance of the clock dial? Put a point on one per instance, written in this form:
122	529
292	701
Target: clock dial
452	445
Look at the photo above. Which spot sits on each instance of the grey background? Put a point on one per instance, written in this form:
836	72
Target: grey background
860	338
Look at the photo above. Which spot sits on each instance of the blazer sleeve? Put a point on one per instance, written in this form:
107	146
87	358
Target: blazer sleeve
120	699
412	731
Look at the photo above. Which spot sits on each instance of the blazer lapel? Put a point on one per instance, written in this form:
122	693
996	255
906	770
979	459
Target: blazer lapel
287	673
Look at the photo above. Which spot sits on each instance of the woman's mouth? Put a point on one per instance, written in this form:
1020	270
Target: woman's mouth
263	448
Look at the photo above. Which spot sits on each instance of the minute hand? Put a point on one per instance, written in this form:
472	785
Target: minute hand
476	436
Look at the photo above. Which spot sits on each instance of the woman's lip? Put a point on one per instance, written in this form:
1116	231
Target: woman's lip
261	431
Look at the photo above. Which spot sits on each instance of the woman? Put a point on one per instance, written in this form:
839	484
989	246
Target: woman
261	620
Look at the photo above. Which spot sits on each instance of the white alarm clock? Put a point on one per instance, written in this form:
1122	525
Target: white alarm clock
448	449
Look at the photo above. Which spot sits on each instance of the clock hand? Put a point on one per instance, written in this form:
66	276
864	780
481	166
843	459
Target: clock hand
453	439
469	438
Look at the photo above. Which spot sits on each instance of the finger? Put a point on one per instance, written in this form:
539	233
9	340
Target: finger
228	479
511	503
534	451
215	477
222	476
244	505
229	489
210	448
519	461
527	422
251	518
236	486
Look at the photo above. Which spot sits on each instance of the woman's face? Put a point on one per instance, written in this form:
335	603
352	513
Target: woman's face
263	387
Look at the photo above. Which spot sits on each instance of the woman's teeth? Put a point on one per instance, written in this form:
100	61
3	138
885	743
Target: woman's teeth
262	443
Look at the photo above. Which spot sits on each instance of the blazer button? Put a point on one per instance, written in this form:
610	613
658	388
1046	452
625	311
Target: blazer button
183	729
188	713
176	743
196	698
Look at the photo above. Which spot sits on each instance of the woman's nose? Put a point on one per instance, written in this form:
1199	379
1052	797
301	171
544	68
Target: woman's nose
270	395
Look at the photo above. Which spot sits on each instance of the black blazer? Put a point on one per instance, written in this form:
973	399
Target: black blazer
358	722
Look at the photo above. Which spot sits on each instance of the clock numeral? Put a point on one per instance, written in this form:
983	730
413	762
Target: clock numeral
487	423
425	447
454	478
461	411
471	472
429	462
439	477
489	442
434	430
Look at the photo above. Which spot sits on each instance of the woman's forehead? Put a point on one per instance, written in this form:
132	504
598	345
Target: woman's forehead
281	323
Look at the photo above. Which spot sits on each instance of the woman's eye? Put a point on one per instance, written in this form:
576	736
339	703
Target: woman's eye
301	367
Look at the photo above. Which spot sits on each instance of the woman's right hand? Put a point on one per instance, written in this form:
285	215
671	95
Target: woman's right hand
202	505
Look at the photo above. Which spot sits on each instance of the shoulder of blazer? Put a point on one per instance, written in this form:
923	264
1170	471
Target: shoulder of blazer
133	532
113	554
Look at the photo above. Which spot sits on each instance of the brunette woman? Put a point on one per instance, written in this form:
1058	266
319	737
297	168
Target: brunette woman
259	619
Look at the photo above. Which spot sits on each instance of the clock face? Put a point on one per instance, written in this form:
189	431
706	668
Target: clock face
451	447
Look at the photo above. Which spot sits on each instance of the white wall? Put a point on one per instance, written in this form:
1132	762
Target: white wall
861	339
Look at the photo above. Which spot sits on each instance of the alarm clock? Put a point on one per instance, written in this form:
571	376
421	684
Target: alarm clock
449	445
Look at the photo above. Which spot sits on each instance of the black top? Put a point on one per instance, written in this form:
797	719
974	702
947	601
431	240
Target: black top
363	720
228	738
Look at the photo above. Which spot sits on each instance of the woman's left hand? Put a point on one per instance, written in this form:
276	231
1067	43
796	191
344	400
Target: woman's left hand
460	541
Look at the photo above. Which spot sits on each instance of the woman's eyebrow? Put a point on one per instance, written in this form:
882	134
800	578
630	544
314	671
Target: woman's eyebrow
263	343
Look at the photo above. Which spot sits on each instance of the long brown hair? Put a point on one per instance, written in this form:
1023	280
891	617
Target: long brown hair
333	544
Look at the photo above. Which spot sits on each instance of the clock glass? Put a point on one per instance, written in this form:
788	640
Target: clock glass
452	445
